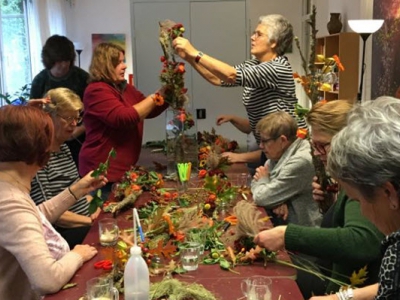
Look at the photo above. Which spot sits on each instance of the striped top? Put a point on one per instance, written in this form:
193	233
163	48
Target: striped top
268	87
59	173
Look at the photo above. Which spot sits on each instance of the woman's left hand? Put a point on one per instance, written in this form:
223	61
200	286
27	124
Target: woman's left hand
39	103
96	214
184	48
87	184
281	211
261	172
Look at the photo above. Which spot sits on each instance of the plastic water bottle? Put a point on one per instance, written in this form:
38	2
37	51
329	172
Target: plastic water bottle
136	277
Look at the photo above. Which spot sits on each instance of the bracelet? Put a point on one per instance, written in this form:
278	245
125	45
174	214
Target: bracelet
69	190
346	294
198	57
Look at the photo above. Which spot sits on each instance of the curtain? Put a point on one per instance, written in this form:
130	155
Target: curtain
45	18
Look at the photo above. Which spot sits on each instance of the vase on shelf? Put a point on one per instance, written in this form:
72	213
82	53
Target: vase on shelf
181	139
334	25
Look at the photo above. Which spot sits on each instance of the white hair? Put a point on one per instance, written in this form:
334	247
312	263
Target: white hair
279	31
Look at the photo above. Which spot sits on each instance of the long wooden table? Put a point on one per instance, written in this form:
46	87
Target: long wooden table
224	284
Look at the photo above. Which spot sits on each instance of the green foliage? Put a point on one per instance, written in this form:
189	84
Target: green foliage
11	6
103	167
20	97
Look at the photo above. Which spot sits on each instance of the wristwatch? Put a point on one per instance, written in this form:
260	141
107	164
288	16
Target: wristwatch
198	57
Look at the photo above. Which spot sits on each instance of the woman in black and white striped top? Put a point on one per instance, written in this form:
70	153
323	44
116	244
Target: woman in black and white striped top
60	172
267	78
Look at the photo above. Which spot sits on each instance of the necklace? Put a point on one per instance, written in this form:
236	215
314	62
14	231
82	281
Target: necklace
26	188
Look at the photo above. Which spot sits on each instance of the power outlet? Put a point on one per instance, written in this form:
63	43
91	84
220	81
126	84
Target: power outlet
201	113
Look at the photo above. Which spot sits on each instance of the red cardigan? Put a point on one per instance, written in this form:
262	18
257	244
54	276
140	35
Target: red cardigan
111	121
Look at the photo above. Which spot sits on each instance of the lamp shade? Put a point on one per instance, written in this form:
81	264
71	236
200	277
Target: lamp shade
365	26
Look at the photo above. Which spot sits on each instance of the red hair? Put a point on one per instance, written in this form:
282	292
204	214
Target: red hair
26	135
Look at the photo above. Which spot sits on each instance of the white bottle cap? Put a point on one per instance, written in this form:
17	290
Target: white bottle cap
136	250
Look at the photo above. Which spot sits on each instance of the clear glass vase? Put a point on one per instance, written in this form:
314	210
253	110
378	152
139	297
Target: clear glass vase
181	139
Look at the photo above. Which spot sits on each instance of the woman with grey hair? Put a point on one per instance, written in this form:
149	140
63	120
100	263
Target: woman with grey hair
64	108
267	78
365	159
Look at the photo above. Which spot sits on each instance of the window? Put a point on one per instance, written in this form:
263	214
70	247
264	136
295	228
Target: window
15	68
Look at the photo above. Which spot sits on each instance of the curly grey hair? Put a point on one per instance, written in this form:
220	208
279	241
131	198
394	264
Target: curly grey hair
366	153
279	31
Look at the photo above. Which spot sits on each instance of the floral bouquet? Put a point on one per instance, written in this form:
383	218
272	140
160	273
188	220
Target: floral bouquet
172	73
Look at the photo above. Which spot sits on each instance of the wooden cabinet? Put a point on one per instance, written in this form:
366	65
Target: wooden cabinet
346	46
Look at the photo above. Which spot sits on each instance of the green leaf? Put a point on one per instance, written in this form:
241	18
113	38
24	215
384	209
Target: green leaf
224	264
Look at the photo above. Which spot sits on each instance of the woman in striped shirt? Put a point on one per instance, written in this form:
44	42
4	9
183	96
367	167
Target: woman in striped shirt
267	78
60	172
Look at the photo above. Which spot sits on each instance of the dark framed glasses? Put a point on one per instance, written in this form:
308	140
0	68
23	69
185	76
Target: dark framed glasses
320	147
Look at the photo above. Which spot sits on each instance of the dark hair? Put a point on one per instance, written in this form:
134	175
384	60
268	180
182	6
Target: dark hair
57	48
104	61
26	134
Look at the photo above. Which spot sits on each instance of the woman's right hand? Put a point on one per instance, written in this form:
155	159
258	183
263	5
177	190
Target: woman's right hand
318	193
85	251
184	48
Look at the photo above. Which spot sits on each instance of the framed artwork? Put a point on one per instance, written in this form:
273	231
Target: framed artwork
385	80
115	38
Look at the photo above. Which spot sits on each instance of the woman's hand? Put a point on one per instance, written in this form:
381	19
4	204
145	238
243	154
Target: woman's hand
232	157
271	239
281	211
184	48
39	103
85	251
328	297
87	184
221	119
261	172
96	214
318	193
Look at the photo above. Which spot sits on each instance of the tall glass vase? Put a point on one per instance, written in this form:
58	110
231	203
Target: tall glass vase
181	139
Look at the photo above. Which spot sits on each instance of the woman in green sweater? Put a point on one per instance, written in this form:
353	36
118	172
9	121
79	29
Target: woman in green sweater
346	241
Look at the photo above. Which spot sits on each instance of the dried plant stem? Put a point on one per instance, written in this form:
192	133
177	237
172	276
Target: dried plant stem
247	215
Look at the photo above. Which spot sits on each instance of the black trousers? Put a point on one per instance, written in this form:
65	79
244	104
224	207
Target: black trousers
73	236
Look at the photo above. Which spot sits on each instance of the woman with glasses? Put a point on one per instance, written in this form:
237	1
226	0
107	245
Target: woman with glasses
60	171
346	241
267	79
365	159
282	185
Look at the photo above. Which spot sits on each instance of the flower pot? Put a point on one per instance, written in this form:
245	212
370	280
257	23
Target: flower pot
181	139
334	25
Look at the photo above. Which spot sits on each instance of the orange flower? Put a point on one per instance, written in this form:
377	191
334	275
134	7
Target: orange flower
301	133
202	173
135	187
338	63
134	176
323	101
158	99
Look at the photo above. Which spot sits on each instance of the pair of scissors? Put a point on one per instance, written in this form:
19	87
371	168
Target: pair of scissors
105	264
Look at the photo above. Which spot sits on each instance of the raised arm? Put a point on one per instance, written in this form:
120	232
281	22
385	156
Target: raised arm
212	69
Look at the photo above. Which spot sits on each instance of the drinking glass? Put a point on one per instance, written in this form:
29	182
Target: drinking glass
108	232
190	253
196	235
256	288
99	288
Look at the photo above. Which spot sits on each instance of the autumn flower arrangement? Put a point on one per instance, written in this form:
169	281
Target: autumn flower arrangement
211	145
172	73
313	83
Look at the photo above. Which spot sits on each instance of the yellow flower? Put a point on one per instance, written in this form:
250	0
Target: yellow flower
202	163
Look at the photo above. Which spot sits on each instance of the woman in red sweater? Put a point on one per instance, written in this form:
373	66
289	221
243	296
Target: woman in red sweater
114	114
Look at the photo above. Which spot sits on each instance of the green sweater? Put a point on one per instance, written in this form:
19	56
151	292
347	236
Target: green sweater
350	243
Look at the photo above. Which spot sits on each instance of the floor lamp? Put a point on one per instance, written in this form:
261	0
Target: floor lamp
78	49
364	28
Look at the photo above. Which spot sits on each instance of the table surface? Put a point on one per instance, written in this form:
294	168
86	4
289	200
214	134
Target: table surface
224	284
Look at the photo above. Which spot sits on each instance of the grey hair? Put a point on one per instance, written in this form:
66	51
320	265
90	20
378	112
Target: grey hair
279	31
366	153
62	100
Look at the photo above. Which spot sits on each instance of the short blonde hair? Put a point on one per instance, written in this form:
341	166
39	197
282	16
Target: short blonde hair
329	117
62	100
277	124
104	61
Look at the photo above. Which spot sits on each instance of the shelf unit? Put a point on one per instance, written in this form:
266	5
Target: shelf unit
346	45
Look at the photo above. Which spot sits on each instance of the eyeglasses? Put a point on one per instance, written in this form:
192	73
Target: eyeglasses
258	34
265	141
320	147
69	120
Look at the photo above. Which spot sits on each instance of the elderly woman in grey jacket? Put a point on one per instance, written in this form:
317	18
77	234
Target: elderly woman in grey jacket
283	184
